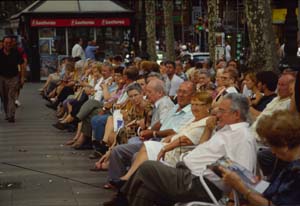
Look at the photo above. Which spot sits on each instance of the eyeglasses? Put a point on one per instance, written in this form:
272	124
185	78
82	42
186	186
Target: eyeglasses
223	111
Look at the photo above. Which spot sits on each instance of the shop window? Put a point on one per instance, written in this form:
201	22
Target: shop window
59	42
111	40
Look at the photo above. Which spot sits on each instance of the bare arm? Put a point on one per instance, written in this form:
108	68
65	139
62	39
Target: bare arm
254	112
232	179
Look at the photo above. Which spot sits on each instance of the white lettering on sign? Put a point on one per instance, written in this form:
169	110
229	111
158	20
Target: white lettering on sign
113	22
43	23
82	22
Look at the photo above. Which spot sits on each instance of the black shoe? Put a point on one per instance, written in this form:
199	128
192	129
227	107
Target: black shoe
60	126
102	147
118	183
52	106
71	129
11	119
118	200
85	146
95	155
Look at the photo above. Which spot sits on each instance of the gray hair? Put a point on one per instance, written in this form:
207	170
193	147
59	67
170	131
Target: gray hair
158	85
155	74
239	102
107	64
134	86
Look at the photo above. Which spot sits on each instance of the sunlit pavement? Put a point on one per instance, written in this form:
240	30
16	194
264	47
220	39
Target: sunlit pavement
36	168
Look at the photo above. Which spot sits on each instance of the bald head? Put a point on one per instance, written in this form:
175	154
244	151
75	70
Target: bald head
155	90
283	86
185	93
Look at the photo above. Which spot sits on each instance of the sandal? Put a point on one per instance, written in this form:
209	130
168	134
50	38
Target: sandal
96	169
108	186
70	142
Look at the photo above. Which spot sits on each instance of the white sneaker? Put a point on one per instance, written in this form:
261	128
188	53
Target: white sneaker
17	103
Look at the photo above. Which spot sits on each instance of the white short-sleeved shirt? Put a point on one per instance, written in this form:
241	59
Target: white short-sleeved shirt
161	109
192	130
77	51
235	141
173	85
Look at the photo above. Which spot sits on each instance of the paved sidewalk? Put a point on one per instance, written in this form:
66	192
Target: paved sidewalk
35	164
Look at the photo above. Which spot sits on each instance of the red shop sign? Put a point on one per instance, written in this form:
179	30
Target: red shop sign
79	22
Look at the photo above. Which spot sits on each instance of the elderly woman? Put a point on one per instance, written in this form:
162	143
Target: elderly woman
135	113
283	137
170	147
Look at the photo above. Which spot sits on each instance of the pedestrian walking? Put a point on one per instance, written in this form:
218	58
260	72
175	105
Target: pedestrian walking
10	61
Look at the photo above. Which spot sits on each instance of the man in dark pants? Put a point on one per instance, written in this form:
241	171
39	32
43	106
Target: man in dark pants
157	184
10	59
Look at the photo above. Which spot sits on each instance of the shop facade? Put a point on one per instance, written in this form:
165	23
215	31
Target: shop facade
51	34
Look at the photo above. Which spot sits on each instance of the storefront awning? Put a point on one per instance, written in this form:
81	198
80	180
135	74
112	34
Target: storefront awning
73	6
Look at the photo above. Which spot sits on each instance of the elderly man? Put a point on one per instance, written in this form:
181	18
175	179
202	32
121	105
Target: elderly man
282	101
270	165
166	124
155	183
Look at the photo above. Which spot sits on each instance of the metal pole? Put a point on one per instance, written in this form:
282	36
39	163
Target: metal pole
298	18
182	23
237	16
67	41
200	43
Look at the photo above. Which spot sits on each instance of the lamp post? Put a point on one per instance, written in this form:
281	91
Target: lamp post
290	60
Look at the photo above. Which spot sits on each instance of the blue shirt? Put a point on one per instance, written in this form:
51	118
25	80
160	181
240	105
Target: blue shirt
285	189
174	120
90	52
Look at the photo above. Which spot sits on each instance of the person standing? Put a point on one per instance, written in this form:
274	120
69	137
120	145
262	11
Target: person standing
227	51
77	50
10	59
91	49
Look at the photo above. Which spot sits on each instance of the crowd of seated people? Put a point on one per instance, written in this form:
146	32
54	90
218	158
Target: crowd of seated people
140	120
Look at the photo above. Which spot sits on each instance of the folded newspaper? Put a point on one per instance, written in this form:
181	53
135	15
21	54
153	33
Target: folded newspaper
247	176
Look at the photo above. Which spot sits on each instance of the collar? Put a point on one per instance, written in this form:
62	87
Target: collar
185	109
159	101
235	126
282	99
202	122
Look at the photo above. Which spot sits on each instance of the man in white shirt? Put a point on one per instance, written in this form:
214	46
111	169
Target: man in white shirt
172	80
227	51
268	162
157	184
77	50
281	102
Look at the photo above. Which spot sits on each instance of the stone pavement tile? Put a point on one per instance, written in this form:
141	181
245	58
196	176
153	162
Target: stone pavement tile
45	202
34	144
5	197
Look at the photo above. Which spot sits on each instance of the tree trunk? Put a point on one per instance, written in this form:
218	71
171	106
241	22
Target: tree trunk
212	7
150	28
169	29
261	36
